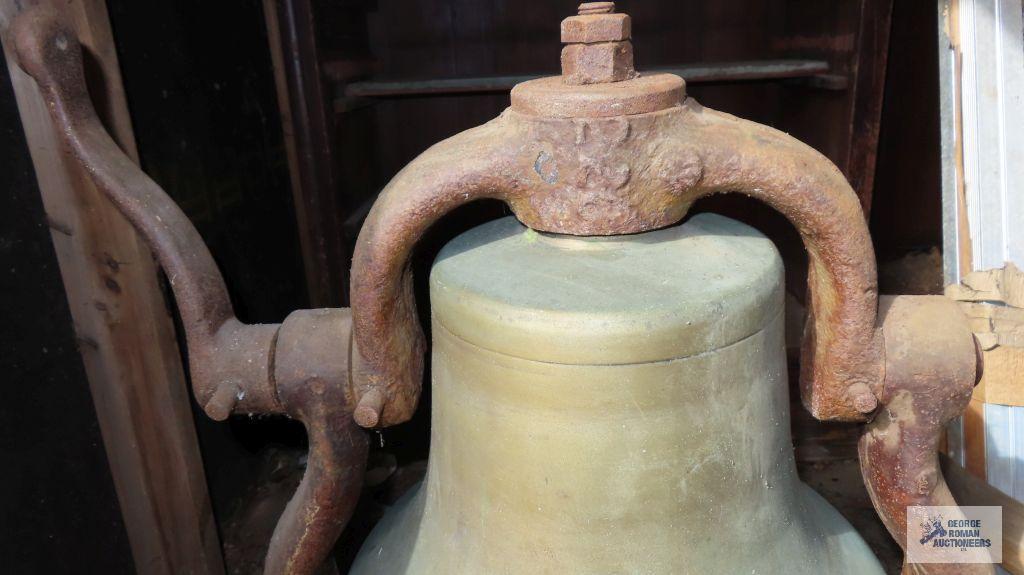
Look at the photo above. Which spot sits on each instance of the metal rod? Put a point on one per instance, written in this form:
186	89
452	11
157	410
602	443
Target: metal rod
692	73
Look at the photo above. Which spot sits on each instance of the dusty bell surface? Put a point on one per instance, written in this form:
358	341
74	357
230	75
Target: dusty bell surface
611	405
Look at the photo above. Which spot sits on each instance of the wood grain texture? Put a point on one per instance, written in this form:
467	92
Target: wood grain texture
122	323
1002	382
974	437
970	490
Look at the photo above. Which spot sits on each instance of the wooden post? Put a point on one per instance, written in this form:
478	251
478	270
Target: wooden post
853	37
307	127
124	330
969	490
868	91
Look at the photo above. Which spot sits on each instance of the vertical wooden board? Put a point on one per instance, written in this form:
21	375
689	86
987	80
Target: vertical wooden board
954	216
868	91
317	286
853	36
908	176
307	122
822	30
123	326
970	490
974	438
57	500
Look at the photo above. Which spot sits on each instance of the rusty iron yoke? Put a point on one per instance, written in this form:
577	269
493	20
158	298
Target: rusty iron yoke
600	150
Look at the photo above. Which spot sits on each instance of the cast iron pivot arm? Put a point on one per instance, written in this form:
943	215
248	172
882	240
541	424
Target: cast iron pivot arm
299	367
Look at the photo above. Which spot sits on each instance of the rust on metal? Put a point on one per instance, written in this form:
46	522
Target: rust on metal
596	8
592	27
597	48
619	158
388	341
552	98
930	371
312	382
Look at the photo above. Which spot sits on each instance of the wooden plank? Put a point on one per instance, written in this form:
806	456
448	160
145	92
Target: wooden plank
974	437
306	120
868	93
969	490
1002	382
317	283
853	36
121	320
993	427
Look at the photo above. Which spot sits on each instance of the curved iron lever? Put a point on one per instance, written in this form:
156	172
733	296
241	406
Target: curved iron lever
312	382
224	354
293	368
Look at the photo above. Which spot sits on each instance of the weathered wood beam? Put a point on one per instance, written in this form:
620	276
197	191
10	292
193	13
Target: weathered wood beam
121	321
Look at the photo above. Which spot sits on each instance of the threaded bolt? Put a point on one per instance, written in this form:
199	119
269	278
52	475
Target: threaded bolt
371	404
596	8
864	399
223	401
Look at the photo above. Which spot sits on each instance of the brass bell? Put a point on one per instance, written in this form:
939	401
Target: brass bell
611	405
607	403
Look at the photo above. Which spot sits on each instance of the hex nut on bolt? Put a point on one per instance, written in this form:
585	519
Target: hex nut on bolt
597	47
597	63
596	28
596	8
367	413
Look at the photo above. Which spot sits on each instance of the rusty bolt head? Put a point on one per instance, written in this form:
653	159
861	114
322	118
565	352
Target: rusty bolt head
597	63
596	8
597	46
595	28
367	413
223	401
864	400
